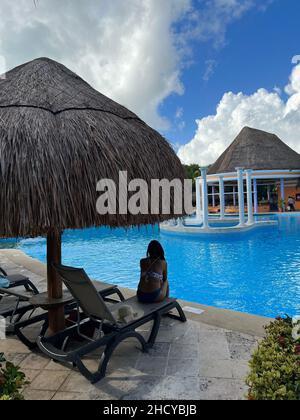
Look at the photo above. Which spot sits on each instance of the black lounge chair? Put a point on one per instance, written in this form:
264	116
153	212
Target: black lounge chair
21	304
17	280
14	299
100	318
16	306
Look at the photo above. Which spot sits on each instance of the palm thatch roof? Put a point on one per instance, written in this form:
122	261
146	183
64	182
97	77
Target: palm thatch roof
58	138
258	150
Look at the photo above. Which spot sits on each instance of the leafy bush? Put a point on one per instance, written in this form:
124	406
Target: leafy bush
12	381
275	365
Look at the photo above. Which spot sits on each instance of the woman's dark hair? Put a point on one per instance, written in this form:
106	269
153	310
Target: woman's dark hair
155	250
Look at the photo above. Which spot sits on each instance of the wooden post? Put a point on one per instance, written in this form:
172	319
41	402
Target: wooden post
55	290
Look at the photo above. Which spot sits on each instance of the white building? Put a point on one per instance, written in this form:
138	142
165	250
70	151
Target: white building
257	173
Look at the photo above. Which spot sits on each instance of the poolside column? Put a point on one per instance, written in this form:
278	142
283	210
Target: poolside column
240	176
255	196
213	196
234	196
204	197
222	197
249	197
282	189
198	199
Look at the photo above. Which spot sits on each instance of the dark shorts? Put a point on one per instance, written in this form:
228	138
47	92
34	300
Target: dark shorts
148	297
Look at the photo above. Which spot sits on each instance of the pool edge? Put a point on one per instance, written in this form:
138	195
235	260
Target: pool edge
212	316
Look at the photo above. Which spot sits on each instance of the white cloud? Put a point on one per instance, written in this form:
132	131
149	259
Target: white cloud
181	125
263	110
216	15
278	90
126	49
296	59
131	50
210	69
179	113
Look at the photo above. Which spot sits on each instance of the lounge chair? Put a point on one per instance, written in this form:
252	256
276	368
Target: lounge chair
17	280
14	299
21	303
102	319
17	295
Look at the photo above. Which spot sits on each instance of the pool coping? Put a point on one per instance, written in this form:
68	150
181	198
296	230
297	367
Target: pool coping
194	230
215	317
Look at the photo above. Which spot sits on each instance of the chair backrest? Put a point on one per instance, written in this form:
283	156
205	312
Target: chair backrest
84	292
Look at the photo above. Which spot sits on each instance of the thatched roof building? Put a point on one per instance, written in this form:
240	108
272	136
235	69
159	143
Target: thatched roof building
258	165
58	138
256	150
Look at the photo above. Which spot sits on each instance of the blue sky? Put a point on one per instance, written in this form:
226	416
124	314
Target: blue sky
258	53
213	63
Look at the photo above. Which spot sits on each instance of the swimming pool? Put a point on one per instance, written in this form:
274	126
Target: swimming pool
256	272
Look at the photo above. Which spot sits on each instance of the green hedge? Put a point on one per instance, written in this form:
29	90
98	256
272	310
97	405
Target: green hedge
12	381
275	365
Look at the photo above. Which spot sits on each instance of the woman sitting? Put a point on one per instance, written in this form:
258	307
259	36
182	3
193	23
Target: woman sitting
154	285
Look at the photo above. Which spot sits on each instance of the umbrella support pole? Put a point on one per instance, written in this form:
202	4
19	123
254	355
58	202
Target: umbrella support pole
55	290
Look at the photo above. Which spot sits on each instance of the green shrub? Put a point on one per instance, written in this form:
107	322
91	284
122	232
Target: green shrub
275	365
12	381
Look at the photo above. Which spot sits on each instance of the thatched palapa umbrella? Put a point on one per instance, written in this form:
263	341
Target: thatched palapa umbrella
58	138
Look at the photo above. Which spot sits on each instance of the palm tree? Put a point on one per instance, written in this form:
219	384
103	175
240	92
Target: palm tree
192	172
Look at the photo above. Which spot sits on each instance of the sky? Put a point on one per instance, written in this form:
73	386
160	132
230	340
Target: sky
198	71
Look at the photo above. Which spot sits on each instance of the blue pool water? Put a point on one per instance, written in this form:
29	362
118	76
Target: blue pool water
256	272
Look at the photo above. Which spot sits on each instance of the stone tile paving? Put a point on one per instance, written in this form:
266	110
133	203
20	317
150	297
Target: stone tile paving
189	361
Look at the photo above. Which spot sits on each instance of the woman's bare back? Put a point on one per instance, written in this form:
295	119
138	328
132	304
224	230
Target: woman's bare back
153	275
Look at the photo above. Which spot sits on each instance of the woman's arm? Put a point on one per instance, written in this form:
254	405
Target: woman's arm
165	271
